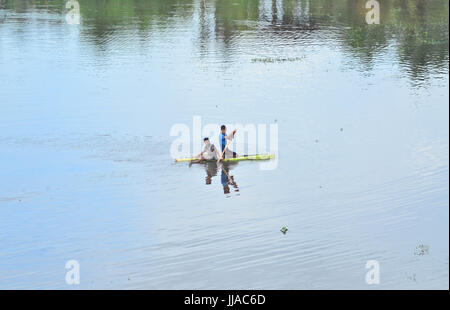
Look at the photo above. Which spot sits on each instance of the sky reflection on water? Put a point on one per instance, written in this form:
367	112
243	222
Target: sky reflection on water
86	173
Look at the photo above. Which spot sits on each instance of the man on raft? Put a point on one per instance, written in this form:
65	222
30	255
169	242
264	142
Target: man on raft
210	152
223	138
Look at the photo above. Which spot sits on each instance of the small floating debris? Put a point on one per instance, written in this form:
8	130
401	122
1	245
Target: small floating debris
342	129
412	277
422	250
284	230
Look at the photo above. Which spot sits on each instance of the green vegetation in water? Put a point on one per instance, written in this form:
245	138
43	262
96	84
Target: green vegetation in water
274	60
422	250
284	229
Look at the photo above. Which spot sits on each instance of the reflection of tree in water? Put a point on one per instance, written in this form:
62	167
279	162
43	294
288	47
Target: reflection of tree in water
417	29
2	14
111	18
204	28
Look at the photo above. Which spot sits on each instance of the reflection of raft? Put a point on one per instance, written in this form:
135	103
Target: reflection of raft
240	158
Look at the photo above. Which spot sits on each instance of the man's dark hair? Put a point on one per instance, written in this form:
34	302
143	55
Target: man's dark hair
223	127
206	139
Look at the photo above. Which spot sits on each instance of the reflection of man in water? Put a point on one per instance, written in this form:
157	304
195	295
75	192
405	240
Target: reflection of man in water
227	180
211	171
224	179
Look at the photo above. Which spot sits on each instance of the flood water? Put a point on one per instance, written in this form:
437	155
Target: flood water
86	172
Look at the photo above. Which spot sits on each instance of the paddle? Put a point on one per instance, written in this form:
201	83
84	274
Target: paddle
225	148
229	178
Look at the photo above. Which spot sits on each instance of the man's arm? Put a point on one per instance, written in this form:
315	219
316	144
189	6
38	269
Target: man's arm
231	136
217	152
199	154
